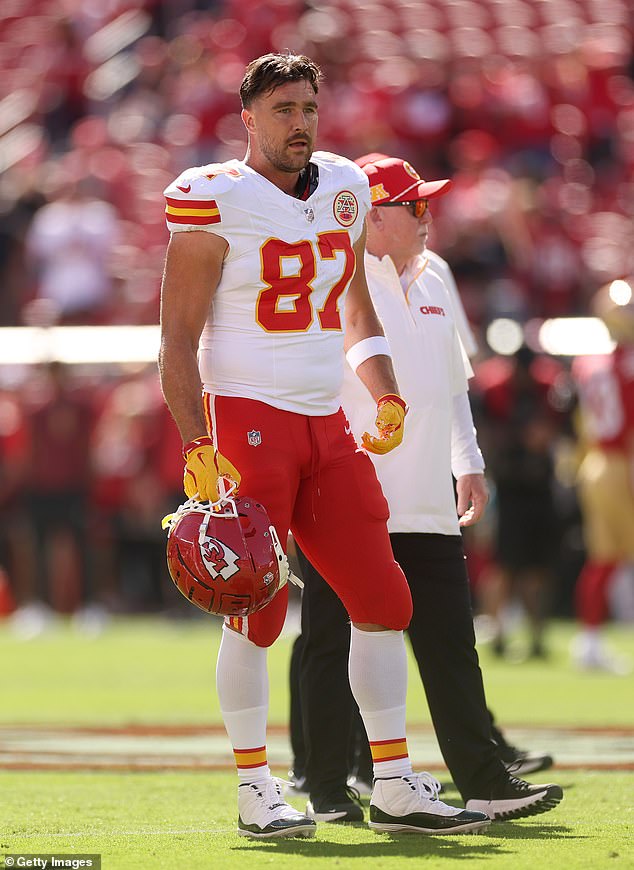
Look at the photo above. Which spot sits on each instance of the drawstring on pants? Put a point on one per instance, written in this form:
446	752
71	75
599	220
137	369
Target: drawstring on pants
314	466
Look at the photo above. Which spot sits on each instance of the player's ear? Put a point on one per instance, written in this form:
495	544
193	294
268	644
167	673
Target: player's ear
248	120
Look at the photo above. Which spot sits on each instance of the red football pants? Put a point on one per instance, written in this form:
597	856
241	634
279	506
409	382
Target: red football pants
313	480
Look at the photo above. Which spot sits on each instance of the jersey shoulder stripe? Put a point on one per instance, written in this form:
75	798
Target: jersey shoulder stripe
192	211
192	198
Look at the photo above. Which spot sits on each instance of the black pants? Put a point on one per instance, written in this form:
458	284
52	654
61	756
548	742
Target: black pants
64	511
443	640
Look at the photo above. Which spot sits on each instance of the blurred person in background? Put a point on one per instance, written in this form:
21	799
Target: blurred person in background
483	226
66	66
19	201
137	479
417	312
605	389
17	569
60	417
519	421
70	244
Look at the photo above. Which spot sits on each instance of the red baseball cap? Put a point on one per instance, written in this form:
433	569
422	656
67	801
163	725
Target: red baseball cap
395	180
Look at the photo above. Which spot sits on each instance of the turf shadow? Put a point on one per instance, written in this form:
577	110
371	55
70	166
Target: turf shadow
386	846
534	831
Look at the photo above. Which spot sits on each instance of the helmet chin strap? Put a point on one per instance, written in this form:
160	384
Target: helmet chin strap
295	580
226	488
286	574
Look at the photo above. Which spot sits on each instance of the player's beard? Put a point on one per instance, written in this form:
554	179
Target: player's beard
285	160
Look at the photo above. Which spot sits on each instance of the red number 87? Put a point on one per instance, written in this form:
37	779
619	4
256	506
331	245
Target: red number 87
299	286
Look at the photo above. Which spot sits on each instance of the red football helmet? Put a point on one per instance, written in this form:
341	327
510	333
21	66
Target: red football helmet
226	558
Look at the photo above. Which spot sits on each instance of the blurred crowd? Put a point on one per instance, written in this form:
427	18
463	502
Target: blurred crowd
89	465
527	106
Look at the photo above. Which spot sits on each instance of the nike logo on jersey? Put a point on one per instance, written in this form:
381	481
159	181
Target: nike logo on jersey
347	429
184	188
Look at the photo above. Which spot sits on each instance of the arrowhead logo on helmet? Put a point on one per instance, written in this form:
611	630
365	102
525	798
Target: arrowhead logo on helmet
226	558
219	559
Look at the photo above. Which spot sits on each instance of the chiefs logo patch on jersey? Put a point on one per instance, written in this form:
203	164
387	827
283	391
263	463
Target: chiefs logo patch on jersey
345	208
219	559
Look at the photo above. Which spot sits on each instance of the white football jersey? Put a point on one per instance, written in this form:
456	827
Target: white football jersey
275	326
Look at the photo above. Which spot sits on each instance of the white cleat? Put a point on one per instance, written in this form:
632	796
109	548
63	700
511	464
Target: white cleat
590	654
410	804
263	813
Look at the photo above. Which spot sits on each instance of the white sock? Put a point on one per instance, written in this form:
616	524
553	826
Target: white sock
592	643
242	684
377	670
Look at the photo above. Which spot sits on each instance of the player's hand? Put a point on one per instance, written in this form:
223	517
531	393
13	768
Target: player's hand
390	417
203	467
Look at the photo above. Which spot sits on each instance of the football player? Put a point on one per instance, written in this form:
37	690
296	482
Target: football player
605	387
264	266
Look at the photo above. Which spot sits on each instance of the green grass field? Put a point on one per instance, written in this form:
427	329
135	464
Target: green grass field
153	672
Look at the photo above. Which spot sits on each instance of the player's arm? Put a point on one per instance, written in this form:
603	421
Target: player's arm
368	354
362	325
193	266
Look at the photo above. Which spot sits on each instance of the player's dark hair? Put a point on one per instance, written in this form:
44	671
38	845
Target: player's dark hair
268	72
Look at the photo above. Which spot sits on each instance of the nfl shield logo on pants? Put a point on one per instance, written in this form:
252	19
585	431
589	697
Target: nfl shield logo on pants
254	438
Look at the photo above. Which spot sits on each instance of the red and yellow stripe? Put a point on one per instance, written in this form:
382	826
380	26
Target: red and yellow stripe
248	758
199	212
388	750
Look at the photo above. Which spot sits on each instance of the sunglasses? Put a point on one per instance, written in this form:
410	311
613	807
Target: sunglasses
418	207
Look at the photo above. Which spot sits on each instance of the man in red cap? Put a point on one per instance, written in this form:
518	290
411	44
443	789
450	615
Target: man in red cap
417	315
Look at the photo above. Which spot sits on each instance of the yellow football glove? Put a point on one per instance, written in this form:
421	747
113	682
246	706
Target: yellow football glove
203	467
389	421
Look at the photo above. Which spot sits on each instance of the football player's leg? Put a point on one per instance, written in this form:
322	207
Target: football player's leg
255	438
340	524
260	441
604	500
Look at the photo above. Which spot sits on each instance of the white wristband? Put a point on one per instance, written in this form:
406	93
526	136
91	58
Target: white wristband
375	345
